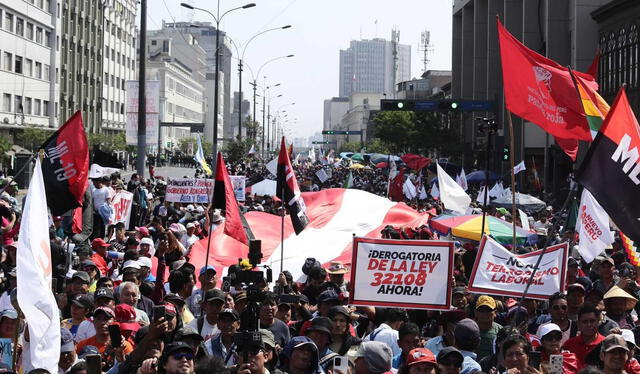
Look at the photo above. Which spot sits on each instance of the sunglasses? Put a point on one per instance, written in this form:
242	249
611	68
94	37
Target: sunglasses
180	355
559	307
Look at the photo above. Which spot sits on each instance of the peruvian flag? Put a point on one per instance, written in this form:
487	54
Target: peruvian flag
540	90
65	168
225	198
288	191
335	215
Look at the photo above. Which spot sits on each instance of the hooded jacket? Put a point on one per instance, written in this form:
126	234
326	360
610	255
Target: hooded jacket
294	343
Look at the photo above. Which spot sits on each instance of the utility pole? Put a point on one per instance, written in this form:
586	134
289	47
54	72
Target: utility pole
142	107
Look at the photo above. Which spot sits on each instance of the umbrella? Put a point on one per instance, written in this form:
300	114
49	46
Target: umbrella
356	166
357	157
527	203
480	176
415	162
468	227
378	157
381	165
451	169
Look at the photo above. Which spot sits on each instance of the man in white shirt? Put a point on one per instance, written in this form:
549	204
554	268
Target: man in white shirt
387	332
207	324
101	196
189	238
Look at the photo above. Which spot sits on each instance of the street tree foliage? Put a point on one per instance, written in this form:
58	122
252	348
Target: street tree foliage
32	137
237	150
108	143
423	133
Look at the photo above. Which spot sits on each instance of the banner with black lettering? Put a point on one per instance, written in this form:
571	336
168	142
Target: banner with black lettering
500	272
402	273
121	204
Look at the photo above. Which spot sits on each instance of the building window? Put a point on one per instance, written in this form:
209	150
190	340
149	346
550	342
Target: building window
27	105
8	22
38	70
28	67
8	61
18	65
19	26
39	35
106	78
29	31
45	108
36	107
46	72
47	39
17	107
6	103
111	104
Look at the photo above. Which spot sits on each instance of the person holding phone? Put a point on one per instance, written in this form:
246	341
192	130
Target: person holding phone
103	317
516	350
550	336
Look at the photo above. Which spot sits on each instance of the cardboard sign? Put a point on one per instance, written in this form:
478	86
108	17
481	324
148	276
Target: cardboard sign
402	273
500	272
189	190
239	186
121	204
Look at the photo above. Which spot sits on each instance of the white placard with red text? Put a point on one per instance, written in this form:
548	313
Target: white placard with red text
121	204
402	273
499	272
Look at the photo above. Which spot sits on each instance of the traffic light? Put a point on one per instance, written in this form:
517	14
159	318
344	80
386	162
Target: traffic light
449	106
505	153
328	132
399	105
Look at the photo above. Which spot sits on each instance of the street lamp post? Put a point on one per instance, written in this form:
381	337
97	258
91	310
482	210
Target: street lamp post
217	72
269	122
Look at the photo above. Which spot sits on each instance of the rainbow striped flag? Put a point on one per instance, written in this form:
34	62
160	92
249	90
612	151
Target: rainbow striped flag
595	107
630	249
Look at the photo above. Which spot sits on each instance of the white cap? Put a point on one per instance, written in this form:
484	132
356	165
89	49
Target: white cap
191	208
131	264
190	225
146	240
628	336
144	261
199	209
547	328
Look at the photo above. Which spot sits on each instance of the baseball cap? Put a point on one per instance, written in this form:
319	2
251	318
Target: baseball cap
377	355
187	332
608	259
450	351
126	316
336	267
86	263
66	341
83	301
322	324
268	338
144	261
175	347
170	310
466	330
240	296
229	312
459	290
103	292
628	336
191	225
575	287
420	355
88	350
131	264
99	242
572	262
9	313
208	267
613	341
328	295
143	230
485	300
82	275
214	294
104	309
174	299
547	328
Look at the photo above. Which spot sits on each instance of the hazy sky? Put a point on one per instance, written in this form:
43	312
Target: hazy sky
320	29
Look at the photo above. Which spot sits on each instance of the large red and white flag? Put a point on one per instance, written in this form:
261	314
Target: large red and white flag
34	273
335	215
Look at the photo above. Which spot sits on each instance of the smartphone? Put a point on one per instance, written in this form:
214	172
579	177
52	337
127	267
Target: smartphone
288	299
94	364
159	312
115	335
340	364
534	359
555	364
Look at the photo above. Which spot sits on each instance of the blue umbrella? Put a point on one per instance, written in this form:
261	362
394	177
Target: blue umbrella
480	176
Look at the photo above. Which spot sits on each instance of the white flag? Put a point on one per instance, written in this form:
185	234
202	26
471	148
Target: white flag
593	227
520	167
423	193
462	180
252	150
524	219
34	273
272	166
97	171
409	189
480	197
494	191
435	192
312	154
452	195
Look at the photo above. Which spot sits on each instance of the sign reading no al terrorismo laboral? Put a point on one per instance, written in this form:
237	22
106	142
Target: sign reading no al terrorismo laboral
500	272
402	273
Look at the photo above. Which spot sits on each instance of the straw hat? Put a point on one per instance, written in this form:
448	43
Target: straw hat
616	291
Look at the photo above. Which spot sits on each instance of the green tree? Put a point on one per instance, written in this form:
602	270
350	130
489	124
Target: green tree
236	150
396	130
376	145
32	138
350	147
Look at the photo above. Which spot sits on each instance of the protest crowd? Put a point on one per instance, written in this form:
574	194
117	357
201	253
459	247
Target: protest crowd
145	276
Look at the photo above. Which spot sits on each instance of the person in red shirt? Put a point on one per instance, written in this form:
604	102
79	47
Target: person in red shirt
589	338
100	254
550	337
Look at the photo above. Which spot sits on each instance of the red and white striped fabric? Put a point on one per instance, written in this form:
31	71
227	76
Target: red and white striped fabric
335	215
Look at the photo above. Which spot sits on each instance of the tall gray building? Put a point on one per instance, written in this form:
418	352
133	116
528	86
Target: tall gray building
205	34
370	66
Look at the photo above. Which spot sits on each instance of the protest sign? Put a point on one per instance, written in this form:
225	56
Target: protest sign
239	186
121	204
322	175
402	273
189	190
500	272
6	351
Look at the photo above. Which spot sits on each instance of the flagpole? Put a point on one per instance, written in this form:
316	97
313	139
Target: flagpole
490	132
513	180
282	230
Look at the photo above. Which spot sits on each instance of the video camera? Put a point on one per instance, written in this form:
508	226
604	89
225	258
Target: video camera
249	337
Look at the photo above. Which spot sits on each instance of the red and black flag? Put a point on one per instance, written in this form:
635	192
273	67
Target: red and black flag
225	198
65	167
289	192
611	168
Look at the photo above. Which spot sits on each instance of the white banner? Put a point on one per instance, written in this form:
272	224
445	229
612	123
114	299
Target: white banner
189	190
322	175
402	273
152	105
593	227
500	272
97	171
239	186
121	204
34	273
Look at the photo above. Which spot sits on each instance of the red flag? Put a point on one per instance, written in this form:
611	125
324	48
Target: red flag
288	191
415	162
225	198
395	189
593	68
65	168
539	90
